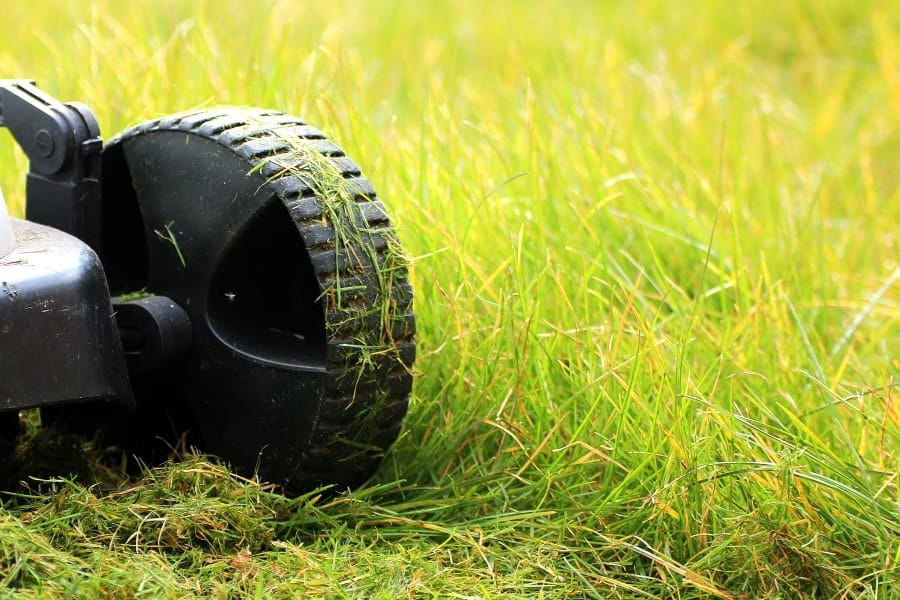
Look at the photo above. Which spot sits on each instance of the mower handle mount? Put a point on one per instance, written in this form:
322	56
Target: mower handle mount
62	142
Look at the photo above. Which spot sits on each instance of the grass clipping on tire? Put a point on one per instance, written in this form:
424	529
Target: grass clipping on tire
367	300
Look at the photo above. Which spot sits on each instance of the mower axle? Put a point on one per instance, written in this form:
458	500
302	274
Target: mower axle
155	331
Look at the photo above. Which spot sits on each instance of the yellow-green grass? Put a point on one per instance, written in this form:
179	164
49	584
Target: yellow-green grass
657	268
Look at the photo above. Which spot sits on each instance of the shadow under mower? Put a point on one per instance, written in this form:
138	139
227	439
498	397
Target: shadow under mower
225	277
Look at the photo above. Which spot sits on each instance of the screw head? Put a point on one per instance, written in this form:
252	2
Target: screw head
43	142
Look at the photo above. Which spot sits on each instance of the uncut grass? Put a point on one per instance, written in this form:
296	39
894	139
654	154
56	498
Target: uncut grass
657	297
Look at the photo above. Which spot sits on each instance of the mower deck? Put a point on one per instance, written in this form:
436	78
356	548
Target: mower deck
60	341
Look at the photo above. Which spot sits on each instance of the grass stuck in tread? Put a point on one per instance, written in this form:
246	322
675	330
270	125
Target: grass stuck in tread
361	266
657	303
363	253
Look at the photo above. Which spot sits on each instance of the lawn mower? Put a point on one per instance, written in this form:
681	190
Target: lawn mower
224	278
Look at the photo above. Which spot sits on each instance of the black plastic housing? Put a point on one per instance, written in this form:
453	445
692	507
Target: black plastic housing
58	336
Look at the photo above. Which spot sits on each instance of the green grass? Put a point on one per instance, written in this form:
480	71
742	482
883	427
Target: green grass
657	268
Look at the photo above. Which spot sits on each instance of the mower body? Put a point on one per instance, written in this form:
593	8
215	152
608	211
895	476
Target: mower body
58	337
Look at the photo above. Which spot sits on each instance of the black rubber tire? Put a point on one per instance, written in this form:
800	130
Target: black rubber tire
301	414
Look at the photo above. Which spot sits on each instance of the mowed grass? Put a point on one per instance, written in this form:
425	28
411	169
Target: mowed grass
657	269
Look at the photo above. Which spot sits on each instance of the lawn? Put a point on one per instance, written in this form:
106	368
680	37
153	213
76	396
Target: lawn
657	272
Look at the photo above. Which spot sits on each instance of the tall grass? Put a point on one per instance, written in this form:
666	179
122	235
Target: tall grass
658	293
